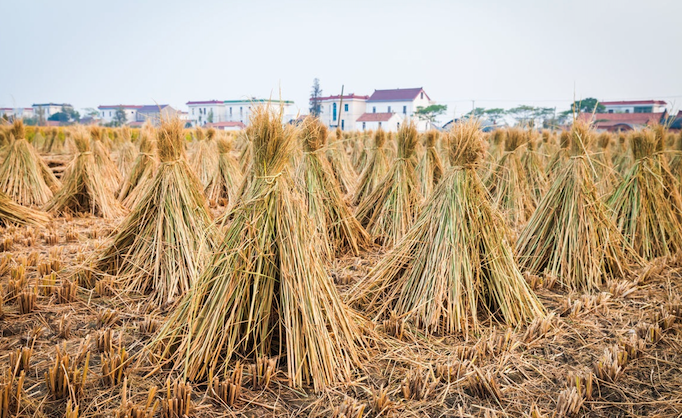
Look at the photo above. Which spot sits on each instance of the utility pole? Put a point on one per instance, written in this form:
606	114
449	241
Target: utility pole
338	123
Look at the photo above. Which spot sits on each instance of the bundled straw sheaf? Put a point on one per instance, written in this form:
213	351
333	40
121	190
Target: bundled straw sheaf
508	183
430	167
85	189
163	243
454	268
204	159
389	211
12	213
141	171
336	225
571	235
265	292
647	206
341	164
375	168
223	187
24	176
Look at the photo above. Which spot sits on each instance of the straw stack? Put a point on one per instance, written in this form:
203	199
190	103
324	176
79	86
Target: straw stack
454	268
375	168
265	292
223	188
430	167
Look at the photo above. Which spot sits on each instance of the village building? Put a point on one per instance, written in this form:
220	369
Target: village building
202	113
344	113
107	113
635	106
45	110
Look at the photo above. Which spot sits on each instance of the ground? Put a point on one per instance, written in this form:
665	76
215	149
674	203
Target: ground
527	371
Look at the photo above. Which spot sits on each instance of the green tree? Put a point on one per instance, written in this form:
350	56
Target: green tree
475	113
120	117
315	95
523	114
589	105
210	116
91	112
431	112
495	115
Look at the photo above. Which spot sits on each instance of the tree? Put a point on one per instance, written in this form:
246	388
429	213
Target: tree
315	95
475	113
120	117
523	114
495	115
67	114
91	112
589	105
210	116
430	112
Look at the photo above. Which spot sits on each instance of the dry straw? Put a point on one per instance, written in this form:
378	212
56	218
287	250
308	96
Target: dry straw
508	183
204	159
85	189
337	227
389	211
142	170
99	145
163	243
571	235
341	164
265	293
430	167
24	176
223	187
454	267
12	213
375	169
534	166
646	204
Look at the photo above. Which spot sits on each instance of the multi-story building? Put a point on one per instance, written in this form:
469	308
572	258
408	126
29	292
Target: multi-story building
107	113
45	110
400	102
336	111
635	106
17	112
206	111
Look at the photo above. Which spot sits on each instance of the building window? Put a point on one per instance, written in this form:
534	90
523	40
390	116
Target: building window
389	109
343	125
345	107
374	109
380	124
643	109
364	125
110	113
334	111
230	111
241	111
610	110
404	110
192	110
421	95
627	110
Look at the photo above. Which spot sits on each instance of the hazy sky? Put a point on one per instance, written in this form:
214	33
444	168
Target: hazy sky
500	53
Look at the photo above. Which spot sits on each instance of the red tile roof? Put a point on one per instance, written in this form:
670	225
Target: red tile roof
634	102
607	120
376	117
345	97
200	102
118	106
223	125
396	95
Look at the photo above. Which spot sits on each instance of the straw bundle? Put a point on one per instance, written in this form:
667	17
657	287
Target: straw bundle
337	227
375	170
142	170
204	159
265	292
646	204
571	235
389	211
224	185
126	152
164	241
341	165
24	176
12	213
84	189
603	164
430	167
508	185
110	174
454	267
533	166
622	160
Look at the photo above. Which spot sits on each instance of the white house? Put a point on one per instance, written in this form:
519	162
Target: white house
17	112
226	126
206	111
107	113
402	102
333	115
48	109
635	106
240	110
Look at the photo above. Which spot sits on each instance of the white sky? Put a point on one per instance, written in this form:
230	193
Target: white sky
500	53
